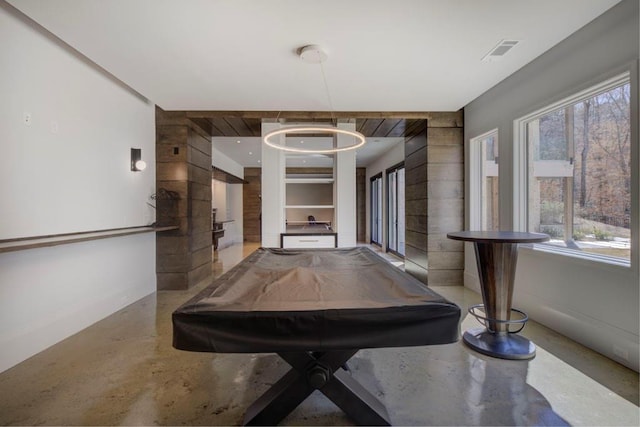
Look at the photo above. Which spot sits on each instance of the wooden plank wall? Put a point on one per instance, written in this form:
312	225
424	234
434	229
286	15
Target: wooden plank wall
445	194
252	204
415	169
434	195
183	166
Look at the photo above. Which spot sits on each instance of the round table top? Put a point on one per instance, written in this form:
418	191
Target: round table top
498	236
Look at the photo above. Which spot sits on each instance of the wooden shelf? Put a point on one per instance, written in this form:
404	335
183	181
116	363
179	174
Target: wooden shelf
308	180
309	207
12	245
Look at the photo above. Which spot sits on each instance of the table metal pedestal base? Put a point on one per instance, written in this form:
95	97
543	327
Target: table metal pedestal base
503	346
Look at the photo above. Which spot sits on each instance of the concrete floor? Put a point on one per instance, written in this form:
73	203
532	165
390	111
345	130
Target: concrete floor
123	371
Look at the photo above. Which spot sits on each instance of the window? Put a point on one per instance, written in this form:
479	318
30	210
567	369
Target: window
484	191
578	163
376	209
395	213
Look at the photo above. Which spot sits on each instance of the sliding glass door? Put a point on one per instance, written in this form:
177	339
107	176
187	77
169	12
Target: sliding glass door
395	210
376	209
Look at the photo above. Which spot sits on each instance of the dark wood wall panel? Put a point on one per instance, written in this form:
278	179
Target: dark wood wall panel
183	167
434	193
445	189
415	163
252	204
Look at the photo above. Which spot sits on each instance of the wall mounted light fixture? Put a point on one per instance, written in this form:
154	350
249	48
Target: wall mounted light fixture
137	164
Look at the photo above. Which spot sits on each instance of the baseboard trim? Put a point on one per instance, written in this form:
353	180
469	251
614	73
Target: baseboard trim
596	334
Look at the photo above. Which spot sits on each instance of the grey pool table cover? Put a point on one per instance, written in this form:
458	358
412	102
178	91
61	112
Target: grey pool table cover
279	300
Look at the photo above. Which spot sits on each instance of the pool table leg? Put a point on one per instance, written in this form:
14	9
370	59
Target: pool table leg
317	371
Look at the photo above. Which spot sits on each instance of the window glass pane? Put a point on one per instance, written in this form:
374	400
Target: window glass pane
395	210
553	140
548	198
580	174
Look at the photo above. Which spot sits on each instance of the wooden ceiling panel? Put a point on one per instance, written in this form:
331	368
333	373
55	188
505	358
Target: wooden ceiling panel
386	127
221	127
255	126
239	125
203	123
247	124
414	127
398	130
370	126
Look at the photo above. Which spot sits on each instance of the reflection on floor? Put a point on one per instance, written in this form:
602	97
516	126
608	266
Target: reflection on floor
123	371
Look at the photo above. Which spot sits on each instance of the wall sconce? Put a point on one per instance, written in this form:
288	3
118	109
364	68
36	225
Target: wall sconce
137	164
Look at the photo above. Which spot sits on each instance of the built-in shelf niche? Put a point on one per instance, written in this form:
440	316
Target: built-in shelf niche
309	195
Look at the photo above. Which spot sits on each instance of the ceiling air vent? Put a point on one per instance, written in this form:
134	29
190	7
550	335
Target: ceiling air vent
500	50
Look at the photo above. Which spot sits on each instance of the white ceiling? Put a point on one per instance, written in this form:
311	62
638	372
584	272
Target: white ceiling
401	55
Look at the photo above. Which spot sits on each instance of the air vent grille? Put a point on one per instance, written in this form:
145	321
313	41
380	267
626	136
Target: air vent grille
500	50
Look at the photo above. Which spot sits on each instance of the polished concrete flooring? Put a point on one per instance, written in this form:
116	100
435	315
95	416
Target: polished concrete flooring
123	371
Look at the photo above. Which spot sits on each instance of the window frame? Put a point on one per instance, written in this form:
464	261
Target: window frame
395	168
477	181
372	199
521	169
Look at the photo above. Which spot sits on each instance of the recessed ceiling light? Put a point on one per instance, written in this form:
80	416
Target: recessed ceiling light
238	142
301	142
259	161
250	153
304	161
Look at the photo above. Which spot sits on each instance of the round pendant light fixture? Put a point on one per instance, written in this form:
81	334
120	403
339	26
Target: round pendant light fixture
330	131
313	54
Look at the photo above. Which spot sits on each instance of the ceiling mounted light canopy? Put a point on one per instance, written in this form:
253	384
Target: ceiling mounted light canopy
314	54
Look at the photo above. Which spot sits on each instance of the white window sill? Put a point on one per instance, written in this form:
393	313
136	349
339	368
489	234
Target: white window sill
584	258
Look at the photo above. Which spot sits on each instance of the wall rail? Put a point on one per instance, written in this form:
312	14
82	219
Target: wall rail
24	243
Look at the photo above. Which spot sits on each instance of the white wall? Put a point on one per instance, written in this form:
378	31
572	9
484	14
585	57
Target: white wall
68	171
219	199
345	189
51	293
593	303
230	205
273	190
227	199
222	161
234	203
43	173
392	157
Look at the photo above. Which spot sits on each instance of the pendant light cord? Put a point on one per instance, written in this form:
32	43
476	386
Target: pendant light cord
326	88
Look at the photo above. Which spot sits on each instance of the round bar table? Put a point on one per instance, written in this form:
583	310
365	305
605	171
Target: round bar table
496	257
